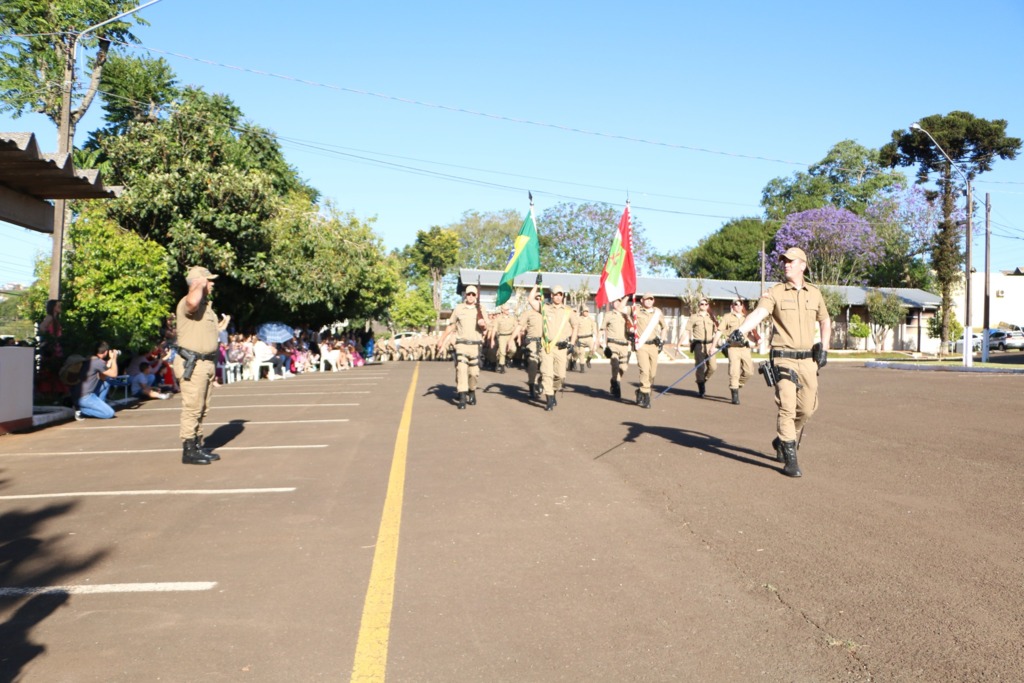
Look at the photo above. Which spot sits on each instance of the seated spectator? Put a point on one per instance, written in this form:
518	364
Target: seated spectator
94	385
142	383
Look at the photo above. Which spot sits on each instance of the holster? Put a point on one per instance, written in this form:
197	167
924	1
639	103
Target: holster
189	364
607	351
562	345
773	374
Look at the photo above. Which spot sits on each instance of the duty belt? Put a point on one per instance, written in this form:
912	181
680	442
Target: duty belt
467	341
185	353
531	339
701	341
585	336
622	342
794	355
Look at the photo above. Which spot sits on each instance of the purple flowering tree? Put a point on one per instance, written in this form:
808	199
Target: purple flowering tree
841	247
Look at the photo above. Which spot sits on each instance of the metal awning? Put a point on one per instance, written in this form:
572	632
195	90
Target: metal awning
28	178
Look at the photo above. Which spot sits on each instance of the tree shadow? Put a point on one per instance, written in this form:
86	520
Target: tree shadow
225	434
698	441
29	559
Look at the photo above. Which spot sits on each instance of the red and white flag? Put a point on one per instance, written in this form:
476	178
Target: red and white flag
618	279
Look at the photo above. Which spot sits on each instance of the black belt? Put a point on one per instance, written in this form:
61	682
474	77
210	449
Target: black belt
531	339
701	341
621	342
466	341
652	341
794	355
185	353
585	336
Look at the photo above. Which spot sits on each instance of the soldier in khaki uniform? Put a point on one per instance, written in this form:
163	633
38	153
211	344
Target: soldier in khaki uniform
586	339
795	307
466	323
559	333
616	343
702	329
741	365
650	324
529	331
505	325
195	362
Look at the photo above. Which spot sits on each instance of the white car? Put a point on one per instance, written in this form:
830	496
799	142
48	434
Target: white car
975	344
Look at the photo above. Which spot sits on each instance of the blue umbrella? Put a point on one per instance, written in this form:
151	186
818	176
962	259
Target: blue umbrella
275	333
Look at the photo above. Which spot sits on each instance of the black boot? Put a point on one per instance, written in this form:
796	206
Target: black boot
792	469
471	398
501	369
534	391
190	454
645	400
638	395
700	389
551	402
462	400
777	445
735	397
207	453
616	389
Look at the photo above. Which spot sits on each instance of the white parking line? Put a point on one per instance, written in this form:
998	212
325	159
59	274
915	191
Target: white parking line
162	450
111	588
301	393
152	492
245	423
267	405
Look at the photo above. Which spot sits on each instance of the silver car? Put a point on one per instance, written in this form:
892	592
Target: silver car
1005	339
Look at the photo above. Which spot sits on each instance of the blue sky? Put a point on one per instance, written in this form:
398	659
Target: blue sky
763	88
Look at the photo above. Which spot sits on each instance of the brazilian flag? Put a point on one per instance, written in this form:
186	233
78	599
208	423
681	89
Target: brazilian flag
525	257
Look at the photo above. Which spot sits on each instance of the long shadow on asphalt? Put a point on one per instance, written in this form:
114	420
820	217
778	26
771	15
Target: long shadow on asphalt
225	434
694	440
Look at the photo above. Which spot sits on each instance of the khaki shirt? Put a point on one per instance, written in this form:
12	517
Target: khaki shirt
728	323
197	332
615	327
585	326
464	317
643	319
795	313
561	320
532	323
701	327
506	323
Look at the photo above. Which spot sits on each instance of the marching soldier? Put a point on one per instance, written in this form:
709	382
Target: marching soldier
559	333
650	324
794	306
504	327
586	340
702	329
741	365
529	331
466	323
616	343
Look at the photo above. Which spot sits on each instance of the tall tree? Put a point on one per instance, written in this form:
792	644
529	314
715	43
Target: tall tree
486	239
435	252
973	144
848	177
885	312
575	238
841	246
733	252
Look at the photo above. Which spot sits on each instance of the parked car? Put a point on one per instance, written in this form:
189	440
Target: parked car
975	344
1005	339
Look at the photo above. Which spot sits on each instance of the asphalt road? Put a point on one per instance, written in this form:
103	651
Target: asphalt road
597	542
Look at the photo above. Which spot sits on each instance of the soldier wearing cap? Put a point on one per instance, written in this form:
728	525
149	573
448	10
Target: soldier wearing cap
795	307
466	323
702	329
617	332
559	326
529	333
504	326
649	326
195	362
586	339
741	365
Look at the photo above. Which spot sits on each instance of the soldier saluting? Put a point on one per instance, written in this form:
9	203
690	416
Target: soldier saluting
795	307
559	333
466	323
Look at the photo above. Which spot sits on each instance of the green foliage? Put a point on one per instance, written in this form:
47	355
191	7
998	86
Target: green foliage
859	328
486	239
835	300
434	253
413	309
885	312
575	238
731	253
116	287
974	144
956	330
849	177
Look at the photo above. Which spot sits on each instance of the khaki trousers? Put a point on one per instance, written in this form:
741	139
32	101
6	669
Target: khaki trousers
552	369
741	366
503	340
700	352
619	361
467	367
647	361
195	396
796	405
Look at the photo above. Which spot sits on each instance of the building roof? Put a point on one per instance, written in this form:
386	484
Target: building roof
26	170
676	288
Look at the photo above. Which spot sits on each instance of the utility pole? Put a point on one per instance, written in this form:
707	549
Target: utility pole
968	332
988	275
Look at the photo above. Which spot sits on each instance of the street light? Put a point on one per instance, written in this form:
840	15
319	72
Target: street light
968	334
65	145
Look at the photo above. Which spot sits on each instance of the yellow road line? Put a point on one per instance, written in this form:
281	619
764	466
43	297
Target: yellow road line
375	629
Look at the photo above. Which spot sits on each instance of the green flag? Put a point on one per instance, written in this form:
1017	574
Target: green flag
525	257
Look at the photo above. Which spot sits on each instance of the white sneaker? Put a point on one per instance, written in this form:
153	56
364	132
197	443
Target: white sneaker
79	416
164	397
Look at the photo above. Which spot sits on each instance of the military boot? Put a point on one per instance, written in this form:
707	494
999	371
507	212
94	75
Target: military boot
462	400
735	397
777	445
645	400
792	469
501	369
471	398
190	454
616	389
638	395
700	389
551	402
210	455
